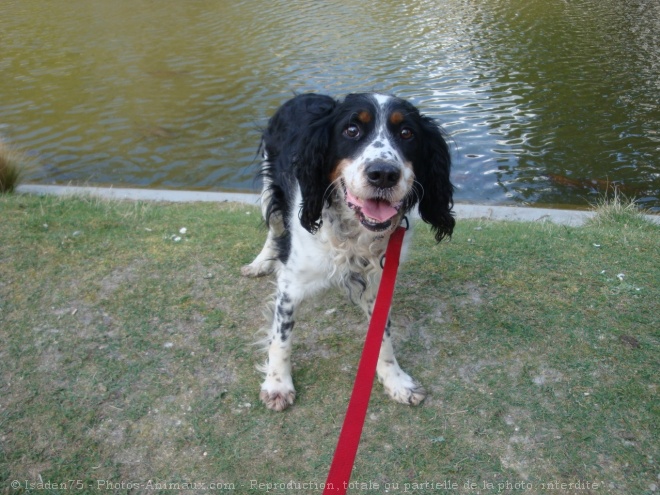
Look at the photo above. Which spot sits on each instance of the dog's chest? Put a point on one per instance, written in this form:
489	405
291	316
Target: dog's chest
341	253
348	244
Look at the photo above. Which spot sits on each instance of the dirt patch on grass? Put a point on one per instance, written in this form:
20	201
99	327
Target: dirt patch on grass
121	277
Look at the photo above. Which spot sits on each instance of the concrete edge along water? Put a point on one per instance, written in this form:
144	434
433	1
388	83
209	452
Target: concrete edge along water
488	212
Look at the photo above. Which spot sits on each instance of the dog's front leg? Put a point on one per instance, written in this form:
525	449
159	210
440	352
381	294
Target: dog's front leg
397	383
277	390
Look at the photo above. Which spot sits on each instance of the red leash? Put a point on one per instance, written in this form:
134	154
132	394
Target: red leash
349	438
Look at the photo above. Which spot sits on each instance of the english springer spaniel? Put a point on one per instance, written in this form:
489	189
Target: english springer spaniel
338	178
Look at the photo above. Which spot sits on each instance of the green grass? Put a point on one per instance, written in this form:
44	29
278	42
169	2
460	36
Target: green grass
128	356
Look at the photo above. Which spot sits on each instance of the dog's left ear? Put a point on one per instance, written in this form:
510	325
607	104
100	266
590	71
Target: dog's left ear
435	190
312	170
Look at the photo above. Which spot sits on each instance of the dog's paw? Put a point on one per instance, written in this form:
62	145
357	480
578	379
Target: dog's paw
277	393
277	400
402	388
261	269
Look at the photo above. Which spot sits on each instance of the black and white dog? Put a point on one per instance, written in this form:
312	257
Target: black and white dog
338	178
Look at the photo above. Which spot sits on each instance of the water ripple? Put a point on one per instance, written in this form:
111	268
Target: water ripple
539	98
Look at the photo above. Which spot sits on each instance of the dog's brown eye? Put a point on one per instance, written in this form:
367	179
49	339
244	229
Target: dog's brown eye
352	131
406	133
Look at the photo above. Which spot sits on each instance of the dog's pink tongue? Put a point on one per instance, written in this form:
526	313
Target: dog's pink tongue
377	209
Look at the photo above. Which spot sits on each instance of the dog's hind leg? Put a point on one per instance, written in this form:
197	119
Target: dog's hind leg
267	260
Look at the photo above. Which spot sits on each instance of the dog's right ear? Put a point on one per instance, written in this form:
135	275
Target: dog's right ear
312	166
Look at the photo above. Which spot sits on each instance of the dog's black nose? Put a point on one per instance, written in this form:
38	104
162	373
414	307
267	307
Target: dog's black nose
382	174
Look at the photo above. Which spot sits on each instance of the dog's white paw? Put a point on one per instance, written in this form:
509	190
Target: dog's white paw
402	388
277	393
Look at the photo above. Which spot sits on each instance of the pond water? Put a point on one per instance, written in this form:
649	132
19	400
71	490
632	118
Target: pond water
546	101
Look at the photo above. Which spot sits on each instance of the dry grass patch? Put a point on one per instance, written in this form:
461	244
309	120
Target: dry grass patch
10	168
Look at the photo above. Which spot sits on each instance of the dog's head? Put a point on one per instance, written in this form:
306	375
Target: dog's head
379	157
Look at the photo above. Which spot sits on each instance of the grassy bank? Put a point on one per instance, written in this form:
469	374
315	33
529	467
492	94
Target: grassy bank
127	358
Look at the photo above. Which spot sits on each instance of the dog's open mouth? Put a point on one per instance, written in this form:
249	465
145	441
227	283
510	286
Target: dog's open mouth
373	213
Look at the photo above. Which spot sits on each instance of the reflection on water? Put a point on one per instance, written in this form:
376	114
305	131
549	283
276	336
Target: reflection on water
546	101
